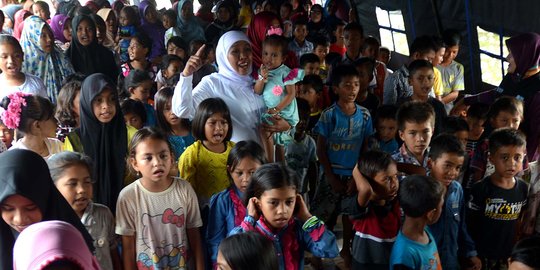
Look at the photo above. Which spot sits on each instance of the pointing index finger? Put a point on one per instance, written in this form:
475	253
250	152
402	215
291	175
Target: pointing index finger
200	51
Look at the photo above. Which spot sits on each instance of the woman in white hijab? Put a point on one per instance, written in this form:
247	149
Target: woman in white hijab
233	83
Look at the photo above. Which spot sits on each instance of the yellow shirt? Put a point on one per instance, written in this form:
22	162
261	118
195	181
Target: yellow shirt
130	132
437	83
205	170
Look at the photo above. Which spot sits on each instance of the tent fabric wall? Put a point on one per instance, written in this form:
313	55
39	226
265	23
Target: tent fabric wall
511	17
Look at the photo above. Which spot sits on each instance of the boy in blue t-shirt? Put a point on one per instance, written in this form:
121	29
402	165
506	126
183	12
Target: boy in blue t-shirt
343	129
421	198
446	158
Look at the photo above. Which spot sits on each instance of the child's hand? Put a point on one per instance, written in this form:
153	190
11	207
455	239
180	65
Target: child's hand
252	209
474	263
264	73
302	212
194	63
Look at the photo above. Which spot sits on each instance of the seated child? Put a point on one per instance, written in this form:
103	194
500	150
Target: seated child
496	202
370	49
207	67
171	66
6	134
458	127
169	22
71	173
421	198
375	210
365	98
310	63
384	55
321	47
337	45
128	20
415	127
385	122
137	86
421	81
301	153
446	158
476	116
134	113
311	90
299	45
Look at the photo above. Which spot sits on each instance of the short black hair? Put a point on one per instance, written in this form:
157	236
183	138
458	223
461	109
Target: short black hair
415	112
342	71
320	41
451	37
367	62
422	45
374	161
478	111
308	58
417	65
505	137
370	41
167	59
445	144
171	14
506	104
303	107
206	109
299	21
527	252
144	40
387	111
277	41
270	176
133	106
354	26
384	49
438	43
315	81
453	124
249	250
419	194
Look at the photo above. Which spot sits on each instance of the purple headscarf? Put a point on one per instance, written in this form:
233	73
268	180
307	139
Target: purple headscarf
155	31
525	49
58	23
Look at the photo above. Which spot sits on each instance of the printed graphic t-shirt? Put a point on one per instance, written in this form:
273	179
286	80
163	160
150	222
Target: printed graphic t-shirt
159	222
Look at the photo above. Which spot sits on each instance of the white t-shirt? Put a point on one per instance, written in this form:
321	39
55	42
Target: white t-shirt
159	222
54	146
32	85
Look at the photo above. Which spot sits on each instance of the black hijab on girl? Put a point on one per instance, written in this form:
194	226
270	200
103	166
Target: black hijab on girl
25	173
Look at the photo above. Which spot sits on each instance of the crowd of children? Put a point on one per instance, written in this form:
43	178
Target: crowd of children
148	139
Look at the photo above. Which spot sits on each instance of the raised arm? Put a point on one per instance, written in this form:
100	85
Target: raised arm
183	103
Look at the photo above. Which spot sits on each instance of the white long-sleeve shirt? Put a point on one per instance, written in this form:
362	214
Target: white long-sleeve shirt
245	105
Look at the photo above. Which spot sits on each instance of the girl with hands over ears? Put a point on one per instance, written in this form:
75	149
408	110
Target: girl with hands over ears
277	211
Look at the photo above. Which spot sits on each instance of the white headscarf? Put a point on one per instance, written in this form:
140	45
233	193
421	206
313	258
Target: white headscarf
225	69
